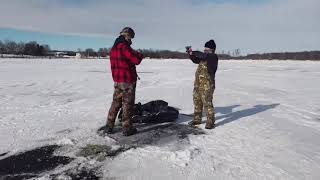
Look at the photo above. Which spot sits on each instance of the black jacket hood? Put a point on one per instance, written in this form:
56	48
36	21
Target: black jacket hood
121	39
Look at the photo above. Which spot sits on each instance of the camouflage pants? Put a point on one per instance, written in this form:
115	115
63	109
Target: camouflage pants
123	96
203	95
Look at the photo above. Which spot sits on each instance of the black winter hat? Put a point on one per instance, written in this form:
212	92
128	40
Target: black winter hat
210	44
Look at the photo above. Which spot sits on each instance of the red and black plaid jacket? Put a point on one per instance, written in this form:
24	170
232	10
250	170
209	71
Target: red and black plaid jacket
123	60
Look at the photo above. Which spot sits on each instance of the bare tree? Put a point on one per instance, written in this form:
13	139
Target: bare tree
46	48
11	47
2	47
103	52
20	48
90	52
237	52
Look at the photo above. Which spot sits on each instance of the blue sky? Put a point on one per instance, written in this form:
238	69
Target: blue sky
250	25
55	40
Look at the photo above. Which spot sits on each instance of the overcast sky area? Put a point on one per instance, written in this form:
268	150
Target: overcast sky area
253	26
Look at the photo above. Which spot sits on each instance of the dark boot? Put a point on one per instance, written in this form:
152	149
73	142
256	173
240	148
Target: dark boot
108	129
130	131
210	124
194	123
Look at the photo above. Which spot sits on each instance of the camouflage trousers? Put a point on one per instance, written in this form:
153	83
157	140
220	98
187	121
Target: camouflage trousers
123	96
203	91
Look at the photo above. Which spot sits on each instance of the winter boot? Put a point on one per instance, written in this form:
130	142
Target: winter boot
210	124
108	129
194	123
130	131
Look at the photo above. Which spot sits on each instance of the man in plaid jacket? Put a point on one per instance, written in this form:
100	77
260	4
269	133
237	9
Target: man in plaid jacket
123	60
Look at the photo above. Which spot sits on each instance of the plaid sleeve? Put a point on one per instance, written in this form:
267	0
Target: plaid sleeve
134	56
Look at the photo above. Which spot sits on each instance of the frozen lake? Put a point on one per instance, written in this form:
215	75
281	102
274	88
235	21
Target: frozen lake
268	117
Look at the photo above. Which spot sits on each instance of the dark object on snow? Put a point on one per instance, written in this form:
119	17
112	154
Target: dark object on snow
31	163
153	112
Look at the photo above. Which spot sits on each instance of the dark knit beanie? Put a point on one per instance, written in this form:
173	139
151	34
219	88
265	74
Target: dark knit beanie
210	44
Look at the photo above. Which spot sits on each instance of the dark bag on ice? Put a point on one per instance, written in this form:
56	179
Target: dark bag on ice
153	112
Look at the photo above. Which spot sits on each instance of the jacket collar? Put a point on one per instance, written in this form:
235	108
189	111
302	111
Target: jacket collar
121	39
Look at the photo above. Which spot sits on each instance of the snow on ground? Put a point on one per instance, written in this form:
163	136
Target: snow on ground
268	123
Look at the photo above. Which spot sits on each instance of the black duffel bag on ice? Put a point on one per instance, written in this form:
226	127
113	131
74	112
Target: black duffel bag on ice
153	112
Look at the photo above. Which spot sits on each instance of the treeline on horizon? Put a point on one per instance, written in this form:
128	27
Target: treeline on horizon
43	50
31	48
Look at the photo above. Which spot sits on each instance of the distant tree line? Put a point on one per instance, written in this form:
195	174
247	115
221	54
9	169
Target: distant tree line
306	55
233	53
35	49
150	53
166	54
89	52
163	54
31	48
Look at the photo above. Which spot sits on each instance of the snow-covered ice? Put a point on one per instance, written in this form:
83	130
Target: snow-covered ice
268	123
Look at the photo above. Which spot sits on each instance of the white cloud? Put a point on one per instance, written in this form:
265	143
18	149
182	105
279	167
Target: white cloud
171	24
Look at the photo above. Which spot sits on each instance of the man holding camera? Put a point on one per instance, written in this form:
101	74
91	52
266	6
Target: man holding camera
204	84
123	61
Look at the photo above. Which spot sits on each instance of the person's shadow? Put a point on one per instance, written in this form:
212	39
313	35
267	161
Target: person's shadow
229	116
